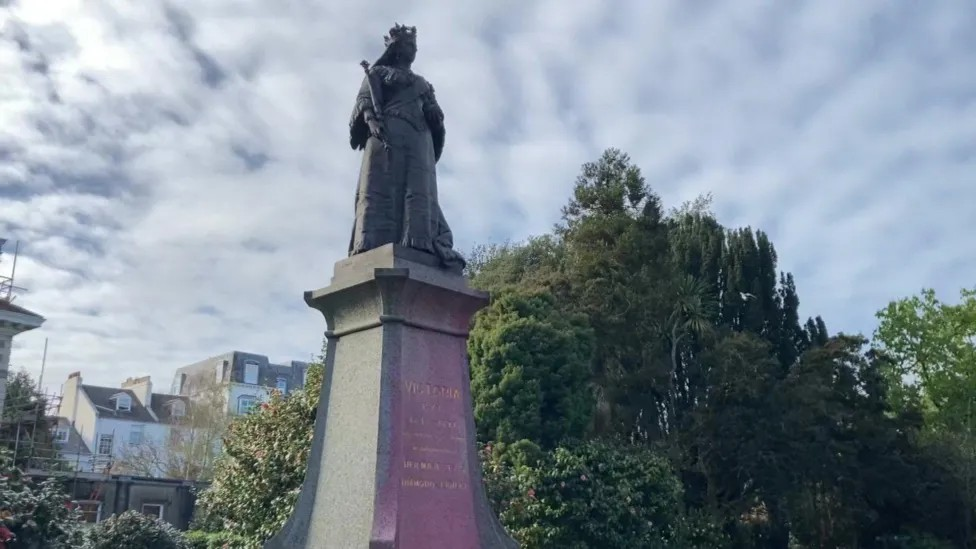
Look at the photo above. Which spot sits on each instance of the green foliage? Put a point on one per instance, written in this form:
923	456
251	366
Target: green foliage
594	495
913	540
745	427
532	265
934	343
134	530
530	371
35	515
618	275
217	540
260	473
25	429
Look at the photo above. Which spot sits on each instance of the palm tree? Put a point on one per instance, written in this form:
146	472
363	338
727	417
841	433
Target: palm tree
692	314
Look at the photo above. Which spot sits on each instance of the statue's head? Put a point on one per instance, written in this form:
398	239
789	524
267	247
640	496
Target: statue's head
401	46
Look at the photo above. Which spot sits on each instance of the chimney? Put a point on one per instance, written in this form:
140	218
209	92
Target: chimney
70	394
141	387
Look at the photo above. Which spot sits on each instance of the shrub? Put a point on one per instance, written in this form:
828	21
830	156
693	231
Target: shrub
258	476
530	371
133	530
35	515
217	540
594	494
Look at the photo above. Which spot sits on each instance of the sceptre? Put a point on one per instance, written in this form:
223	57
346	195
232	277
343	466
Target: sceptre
377	108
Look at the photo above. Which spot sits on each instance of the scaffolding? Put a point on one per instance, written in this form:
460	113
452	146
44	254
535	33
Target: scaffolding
28	430
7	286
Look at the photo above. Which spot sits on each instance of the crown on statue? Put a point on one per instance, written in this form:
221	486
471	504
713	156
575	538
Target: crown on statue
400	32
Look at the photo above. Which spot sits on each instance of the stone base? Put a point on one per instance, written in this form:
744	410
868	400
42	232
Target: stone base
393	463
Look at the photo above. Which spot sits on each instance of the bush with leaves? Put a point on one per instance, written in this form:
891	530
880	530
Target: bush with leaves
530	371
259	475
216	540
594	494
34	515
134	530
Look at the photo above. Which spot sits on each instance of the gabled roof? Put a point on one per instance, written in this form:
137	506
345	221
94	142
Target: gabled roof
101	397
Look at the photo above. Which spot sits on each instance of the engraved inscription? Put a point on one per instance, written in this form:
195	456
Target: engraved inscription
429	389
441	484
434	457
433	466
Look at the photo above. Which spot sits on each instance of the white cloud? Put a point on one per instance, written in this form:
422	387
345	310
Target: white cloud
844	130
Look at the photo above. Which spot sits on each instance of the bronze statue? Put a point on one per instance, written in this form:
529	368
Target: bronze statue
400	127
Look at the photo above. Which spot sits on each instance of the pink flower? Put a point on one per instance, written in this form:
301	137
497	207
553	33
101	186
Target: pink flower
531	493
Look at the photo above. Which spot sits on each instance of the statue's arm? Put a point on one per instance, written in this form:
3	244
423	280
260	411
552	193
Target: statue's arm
363	111
435	120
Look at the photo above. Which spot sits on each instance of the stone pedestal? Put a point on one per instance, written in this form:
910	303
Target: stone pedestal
393	463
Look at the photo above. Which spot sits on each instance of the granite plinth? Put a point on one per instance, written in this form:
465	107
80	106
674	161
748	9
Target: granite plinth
393	463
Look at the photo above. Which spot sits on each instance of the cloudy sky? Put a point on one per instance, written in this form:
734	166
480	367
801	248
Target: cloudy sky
179	172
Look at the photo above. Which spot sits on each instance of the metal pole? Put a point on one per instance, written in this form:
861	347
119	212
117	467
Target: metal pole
40	380
13	269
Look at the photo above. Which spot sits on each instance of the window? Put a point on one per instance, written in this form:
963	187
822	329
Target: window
179	408
282	384
245	403
105	445
123	403
153	510
91	511
61	435
136	434
251	372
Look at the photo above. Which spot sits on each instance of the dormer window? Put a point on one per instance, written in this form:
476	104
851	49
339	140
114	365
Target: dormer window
251	372
179	408
123	403
282	385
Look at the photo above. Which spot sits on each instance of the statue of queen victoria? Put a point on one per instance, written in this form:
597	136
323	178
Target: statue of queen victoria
400	128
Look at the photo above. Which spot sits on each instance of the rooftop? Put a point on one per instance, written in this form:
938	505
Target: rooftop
8	307
102	398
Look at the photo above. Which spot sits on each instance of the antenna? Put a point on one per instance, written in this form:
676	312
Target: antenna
7	286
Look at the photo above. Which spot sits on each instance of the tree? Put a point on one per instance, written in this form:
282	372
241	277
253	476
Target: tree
533	265
192	446
530	371
618	274
933	347
260	472
26	429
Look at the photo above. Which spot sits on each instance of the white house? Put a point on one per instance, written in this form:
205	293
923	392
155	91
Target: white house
107	419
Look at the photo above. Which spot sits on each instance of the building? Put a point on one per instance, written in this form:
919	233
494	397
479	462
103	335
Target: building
244	379
101	496
13	320
108	419
71	447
